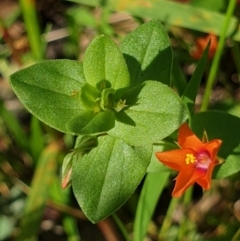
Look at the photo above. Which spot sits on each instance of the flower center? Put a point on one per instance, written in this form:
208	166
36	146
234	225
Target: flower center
190	158
201	160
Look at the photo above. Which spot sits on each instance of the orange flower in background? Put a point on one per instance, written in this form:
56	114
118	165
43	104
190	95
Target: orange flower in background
194	161
200	45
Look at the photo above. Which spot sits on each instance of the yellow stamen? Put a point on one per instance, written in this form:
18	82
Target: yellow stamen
190	158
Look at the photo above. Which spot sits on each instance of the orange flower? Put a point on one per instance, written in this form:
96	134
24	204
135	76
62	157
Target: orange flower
194	161
201	44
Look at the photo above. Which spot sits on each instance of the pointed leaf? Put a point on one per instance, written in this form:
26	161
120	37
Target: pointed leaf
105	177
49	90
191	90
83	145
148	53
151	191
67	169
90	97
153	112
179	80
103	61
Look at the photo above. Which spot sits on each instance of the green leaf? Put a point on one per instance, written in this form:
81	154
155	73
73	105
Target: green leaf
153	112
83	145
49	90
107	99
151	191
67	169
174	14
103	63
90	97
71	228
191	90
105	177
220	125
148	53
213	5
88	122
179	80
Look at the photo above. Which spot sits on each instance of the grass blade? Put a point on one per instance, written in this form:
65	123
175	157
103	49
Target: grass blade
39	193
151	191
31	22
191	90
216	60
176	14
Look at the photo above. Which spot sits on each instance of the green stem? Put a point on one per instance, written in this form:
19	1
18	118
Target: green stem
169	144
168	219
188	196
121	226
70	227
217	57
31	22
183	224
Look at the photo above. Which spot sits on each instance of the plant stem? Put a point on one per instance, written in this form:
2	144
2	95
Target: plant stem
31	22
121	226
70	227
217	57
183	224
168	219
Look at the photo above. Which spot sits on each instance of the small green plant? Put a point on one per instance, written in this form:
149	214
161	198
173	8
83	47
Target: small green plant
118	102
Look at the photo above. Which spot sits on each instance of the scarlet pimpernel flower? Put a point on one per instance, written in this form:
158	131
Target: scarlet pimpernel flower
194	161
200	45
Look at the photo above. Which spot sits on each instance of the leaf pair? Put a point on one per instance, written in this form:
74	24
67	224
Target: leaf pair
119	92
106	93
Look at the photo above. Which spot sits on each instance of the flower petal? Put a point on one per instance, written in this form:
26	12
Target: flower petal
175	159
205	181
212	147
187	139
185	179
